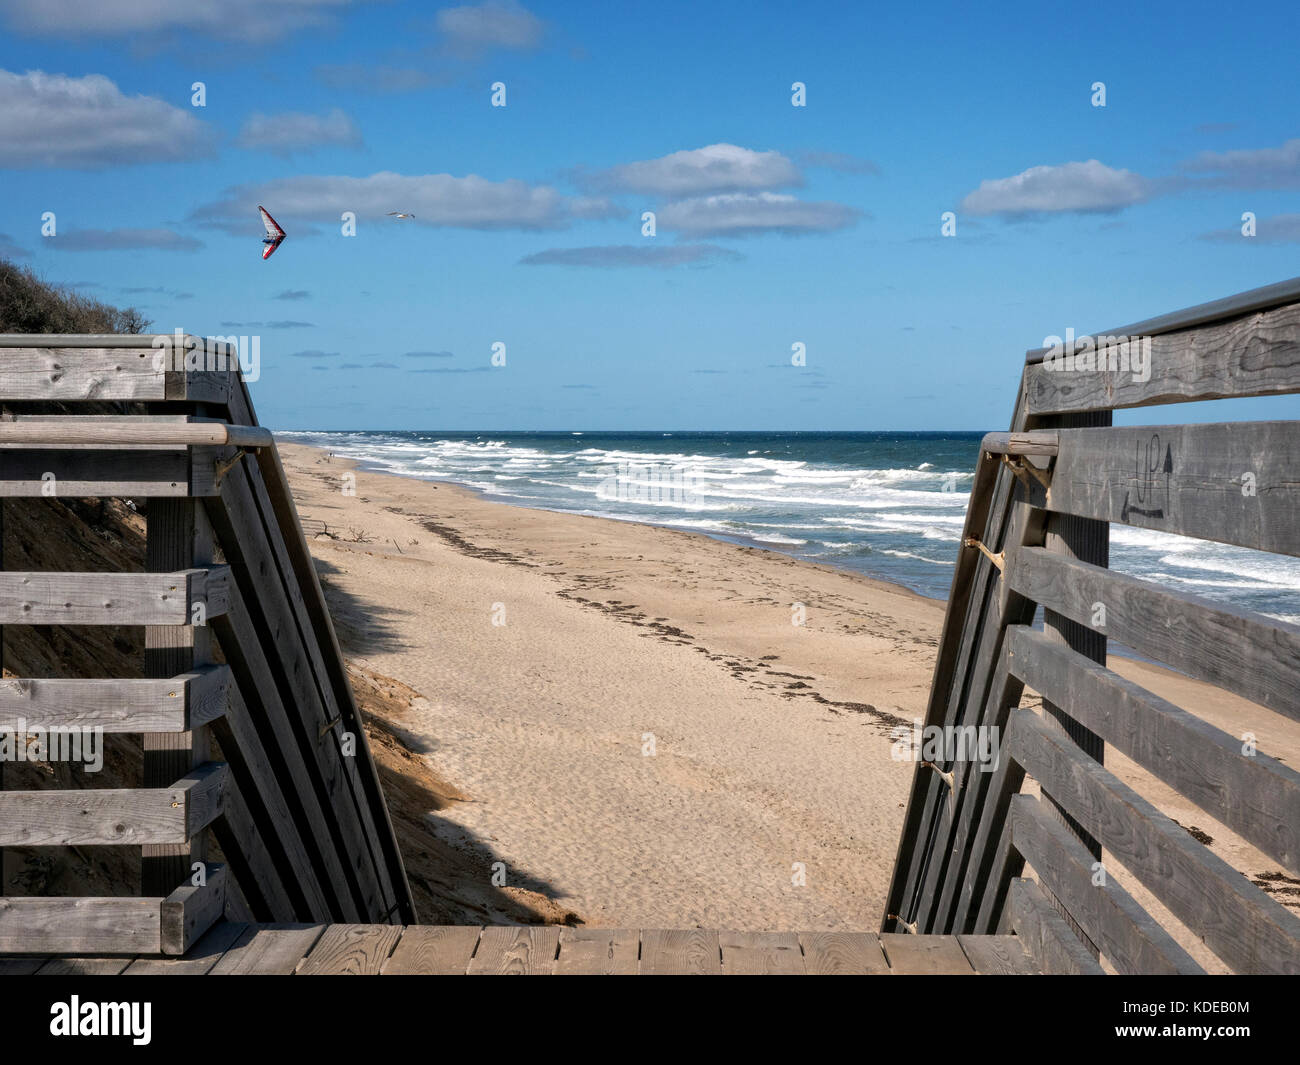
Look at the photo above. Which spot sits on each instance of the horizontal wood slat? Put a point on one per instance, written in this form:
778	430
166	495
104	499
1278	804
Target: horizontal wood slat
1252	355
1125	933
114	815
1255	795
93	374
173	704
113	598
1253	656
104	473
1045	935
1232	482
1250	931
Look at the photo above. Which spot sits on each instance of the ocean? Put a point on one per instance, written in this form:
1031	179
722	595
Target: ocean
890	505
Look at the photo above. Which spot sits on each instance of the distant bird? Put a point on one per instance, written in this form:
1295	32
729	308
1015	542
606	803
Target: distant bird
274	234
400	214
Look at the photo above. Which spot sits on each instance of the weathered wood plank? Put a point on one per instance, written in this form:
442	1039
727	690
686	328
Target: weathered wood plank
79	374
270	950
254	859
199	960
761	954
1045	935
1250	931
1253	656
598	952
251	544
21	966
44	925
256	683
843	953
1252	355
351	950
259	832
114	815
1232	482
112	598
1125	933
925	955
270	473
1041	442
1256	796
509	950
974	886
101	472
997	956
192	909
84	967
433	950
689	952
72	431
169	704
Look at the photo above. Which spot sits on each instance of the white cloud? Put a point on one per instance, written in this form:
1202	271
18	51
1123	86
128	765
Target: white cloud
294	131
748	214
51	120
122	240
696	172
1090	186
494	24
469	202
244	20
663	256
1252	168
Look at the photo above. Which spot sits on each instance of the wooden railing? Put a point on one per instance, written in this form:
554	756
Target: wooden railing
1037	535
239	652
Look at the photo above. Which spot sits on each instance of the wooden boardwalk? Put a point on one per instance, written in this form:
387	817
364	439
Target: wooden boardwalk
233	949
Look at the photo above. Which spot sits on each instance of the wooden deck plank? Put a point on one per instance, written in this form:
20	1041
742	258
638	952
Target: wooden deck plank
598	952
40	598
21	966
268	949
509	950
433	950
998	956
843	953
761	954
351	950
691	952
201	957
84	966
911	955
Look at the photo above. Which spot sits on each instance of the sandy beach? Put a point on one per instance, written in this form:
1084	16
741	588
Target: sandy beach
627	717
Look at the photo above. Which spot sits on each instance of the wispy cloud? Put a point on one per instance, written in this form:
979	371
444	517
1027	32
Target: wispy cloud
695	172
746	215
663	256
428	355
123	240
294	131
87	123
469	202
1071	187
313	353
292	294
1256	168
242	20
495	24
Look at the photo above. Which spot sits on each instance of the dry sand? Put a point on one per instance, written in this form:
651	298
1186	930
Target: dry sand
770	799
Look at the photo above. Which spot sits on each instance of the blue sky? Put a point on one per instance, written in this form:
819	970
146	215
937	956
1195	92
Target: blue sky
776	224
